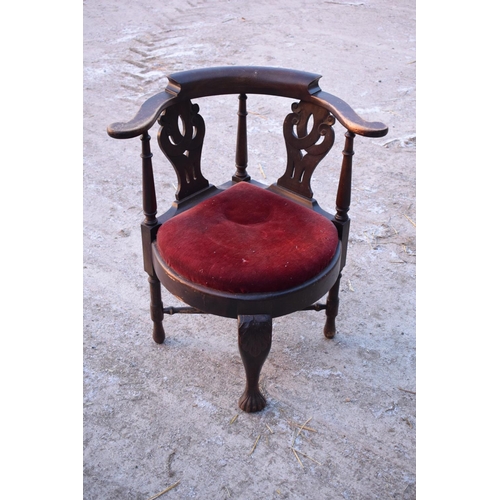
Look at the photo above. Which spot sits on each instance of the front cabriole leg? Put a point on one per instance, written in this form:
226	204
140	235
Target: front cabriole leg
254	342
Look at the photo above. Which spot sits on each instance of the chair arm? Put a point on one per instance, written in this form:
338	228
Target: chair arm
348	117
244	80
143	120
217	81
272	81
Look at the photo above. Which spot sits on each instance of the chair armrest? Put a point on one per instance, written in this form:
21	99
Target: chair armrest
348	117
218	81
272	81
143	120
244	80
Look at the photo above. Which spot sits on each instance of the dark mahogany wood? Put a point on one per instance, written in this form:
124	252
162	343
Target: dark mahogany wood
156	309
244	80
308	136
183	147
254	342
241	159
232	305
150	225
332	309
315	142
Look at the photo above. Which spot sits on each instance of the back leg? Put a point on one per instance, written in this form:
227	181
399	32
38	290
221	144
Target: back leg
156	309
332	309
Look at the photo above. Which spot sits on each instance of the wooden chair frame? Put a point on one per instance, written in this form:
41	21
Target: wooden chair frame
305	149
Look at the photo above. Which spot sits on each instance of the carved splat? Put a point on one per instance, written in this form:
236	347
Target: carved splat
181	140
307	130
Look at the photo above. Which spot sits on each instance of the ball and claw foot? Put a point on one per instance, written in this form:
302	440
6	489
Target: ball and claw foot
252	401
254	342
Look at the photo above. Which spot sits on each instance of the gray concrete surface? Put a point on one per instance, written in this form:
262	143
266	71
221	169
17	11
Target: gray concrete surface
161	416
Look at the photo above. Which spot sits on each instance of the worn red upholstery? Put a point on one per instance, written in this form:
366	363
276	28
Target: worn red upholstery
248	240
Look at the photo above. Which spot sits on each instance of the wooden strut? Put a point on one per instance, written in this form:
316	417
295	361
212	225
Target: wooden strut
241	159
343	202
192	310
148	183
344	190
182	310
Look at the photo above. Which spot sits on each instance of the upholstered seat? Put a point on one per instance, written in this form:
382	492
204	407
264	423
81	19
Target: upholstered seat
248	240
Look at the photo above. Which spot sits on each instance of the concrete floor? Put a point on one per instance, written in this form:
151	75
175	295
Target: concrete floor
166	415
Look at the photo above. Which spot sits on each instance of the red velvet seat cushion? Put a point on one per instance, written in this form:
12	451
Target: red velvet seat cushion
248	240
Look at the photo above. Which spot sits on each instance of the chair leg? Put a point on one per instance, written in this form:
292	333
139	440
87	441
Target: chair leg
332	309
156	309
254	342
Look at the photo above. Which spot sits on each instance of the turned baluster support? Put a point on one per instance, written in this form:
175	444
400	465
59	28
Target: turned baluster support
148	182
241	159
149	228
341	222
344	194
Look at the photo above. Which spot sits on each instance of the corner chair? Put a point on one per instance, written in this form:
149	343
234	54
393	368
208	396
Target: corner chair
245	250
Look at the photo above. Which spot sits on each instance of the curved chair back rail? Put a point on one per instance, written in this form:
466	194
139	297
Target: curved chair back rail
244	80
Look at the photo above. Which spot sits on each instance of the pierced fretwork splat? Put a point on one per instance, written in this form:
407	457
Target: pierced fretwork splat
315	139
181	140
